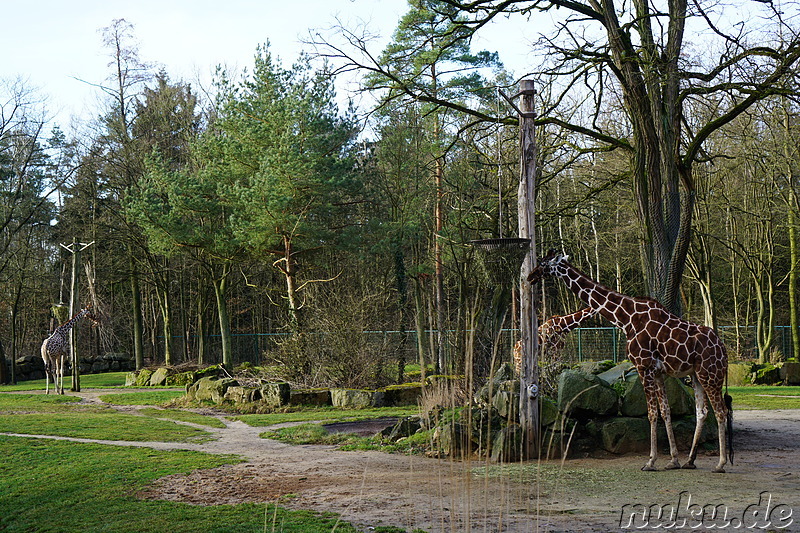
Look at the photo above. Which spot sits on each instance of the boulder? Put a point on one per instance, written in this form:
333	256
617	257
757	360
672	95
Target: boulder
595	367
507	404
507	444
455	439
585	395
681	398
159	377
617	373
548	411
310	397
767	374
625	434
181	379
275	394
210	389
130	379
143	377
404	427
405	394
790	373
356	398
239	395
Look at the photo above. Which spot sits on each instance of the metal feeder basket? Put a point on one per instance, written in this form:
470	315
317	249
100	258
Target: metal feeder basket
501	259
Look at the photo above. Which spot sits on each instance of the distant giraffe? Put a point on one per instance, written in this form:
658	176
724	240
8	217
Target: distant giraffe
553	331
56	346
659	344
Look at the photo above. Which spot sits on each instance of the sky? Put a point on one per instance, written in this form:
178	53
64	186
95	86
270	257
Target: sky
53	44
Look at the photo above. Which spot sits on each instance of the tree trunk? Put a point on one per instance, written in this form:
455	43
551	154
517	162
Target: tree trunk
136	312
221	293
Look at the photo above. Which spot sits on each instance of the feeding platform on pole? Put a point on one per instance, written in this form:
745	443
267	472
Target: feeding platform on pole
501	259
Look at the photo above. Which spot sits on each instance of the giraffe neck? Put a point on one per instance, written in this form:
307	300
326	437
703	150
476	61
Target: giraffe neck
569	322
598	297
66	326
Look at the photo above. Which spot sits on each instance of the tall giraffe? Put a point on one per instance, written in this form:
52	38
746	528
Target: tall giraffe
56	346
553	332
658	344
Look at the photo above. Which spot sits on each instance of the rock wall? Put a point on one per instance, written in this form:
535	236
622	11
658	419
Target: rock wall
32	366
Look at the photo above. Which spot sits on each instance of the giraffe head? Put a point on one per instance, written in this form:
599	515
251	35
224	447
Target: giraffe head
547	266
87	313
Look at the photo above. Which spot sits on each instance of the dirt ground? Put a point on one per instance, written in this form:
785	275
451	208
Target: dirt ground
760	492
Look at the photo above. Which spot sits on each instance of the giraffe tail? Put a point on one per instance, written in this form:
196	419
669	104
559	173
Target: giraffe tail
729	426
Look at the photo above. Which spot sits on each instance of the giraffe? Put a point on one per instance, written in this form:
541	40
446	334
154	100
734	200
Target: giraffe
658	344
56	346
553	331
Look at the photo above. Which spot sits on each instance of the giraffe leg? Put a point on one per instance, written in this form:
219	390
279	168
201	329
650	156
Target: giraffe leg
652	415
701	411
663	403
721	412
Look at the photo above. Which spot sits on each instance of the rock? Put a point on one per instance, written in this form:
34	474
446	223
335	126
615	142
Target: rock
790	373
405	394
275	394
595	367
548	411
740	374
130	379
356	399
616	373
455	439
210	389
500	379
241	395
767	374
681	398
585	395
626	434
181	379
310	397
507	444
159	377
507	404
403	428
143	377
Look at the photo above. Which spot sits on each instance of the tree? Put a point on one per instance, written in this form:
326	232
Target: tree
635	57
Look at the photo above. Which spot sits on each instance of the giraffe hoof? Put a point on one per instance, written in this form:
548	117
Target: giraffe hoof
672	465
689	466
719	470
648	468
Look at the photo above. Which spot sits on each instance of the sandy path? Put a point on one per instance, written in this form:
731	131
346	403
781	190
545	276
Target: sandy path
373	488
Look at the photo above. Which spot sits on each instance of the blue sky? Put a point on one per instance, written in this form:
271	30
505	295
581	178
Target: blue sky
49	43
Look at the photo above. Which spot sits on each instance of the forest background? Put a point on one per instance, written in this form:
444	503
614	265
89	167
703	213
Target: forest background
265	222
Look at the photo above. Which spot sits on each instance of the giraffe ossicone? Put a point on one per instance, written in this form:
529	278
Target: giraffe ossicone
56	346
659	344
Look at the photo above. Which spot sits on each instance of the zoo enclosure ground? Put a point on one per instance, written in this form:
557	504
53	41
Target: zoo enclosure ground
372	488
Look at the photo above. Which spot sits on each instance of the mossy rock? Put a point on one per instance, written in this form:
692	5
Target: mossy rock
585	395
356	398
595	367
241	395
130	379
617	373
181	379
316	397
507	444
681	398
143	378
405	394
275	394
405	427
159	377
548	411
767	374
210	389
625	434
790	373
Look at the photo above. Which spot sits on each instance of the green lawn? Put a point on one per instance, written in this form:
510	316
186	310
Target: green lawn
762	397
89	381
327	414
54	486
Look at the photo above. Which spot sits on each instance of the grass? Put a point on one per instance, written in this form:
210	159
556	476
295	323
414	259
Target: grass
316	434
763	397
53	486
183	416
326	414
89	381
154	397
38	414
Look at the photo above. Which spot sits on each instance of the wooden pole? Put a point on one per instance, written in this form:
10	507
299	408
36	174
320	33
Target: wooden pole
526	208
73	308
